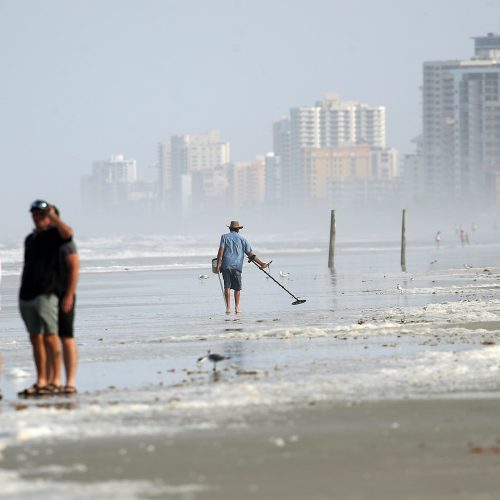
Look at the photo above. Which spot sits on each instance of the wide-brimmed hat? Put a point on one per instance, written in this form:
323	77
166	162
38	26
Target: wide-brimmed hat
235	224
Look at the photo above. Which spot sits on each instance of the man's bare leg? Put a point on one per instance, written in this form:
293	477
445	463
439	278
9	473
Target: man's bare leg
70	356
237	301
227	296
54	358
40	357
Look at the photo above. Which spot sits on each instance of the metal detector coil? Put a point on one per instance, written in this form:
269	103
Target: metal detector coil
297	300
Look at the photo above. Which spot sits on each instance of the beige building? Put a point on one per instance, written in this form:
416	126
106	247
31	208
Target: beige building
247	183
349	173
323	164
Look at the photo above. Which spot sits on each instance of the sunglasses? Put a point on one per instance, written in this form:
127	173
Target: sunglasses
39	205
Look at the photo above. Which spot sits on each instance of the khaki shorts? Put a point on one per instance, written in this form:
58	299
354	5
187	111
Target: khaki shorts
40	314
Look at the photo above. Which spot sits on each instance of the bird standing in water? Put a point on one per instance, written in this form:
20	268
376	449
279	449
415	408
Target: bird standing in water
213	357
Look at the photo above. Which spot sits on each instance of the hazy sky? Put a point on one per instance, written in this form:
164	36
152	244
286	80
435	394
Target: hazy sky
82	80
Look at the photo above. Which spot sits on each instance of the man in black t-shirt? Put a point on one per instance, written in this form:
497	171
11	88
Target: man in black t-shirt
38	295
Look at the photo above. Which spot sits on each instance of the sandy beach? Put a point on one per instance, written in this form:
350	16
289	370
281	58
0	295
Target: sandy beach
437	449
366	391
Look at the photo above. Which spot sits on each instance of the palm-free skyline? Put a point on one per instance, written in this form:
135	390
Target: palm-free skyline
85	80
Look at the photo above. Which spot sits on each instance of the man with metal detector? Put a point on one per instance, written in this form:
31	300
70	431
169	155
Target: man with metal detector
232	250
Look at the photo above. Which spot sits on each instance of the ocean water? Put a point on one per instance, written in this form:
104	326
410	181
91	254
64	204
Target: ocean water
146	312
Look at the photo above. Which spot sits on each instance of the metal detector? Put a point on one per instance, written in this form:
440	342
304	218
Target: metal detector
297	300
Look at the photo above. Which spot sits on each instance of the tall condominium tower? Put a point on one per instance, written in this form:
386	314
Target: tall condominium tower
112	182
328	124
461	124
188	154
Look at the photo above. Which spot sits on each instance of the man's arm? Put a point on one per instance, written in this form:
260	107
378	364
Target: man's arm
73	266
254	258
220	253
65	231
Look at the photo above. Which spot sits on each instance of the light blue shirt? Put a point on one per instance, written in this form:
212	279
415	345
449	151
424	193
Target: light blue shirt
235	247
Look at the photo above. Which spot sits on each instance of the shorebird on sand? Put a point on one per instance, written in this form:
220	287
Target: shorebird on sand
213	357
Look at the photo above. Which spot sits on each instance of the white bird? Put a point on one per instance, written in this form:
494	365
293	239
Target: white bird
283	274
213	357
398	286
202	277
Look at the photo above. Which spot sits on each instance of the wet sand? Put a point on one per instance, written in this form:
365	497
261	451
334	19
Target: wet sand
432	449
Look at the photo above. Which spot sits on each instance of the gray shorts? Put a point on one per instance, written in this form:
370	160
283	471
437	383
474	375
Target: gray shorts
40	314
232	279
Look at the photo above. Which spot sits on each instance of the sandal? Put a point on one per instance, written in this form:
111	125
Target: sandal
34	391
55	389
69	389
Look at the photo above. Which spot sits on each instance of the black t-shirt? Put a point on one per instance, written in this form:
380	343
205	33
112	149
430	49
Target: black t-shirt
41	264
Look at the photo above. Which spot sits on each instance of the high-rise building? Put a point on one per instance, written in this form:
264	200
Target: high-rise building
185	155
348	123
364	171
114	183
461	124
331	123
272	172
247	183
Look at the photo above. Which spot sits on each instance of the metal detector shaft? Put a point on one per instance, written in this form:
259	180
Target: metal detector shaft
297	300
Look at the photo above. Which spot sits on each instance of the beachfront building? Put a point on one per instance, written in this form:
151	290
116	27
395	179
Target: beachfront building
247	183
331	123
461	125
272	176
208	189
115	183
347	175
188	155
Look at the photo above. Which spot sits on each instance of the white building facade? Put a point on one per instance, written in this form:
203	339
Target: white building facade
115	183
186	155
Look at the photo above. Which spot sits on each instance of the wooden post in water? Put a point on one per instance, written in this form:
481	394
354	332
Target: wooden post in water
331	253
403	241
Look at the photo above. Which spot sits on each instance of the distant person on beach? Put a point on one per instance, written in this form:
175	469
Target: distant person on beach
38	295
462	237
69	270
438	238
232	250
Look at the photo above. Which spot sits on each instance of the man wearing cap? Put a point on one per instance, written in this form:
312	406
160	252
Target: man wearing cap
38	300
232	250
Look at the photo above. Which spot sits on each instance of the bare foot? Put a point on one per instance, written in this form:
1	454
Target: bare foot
228	311
236	311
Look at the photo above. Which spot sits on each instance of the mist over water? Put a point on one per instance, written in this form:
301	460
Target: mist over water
136	81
